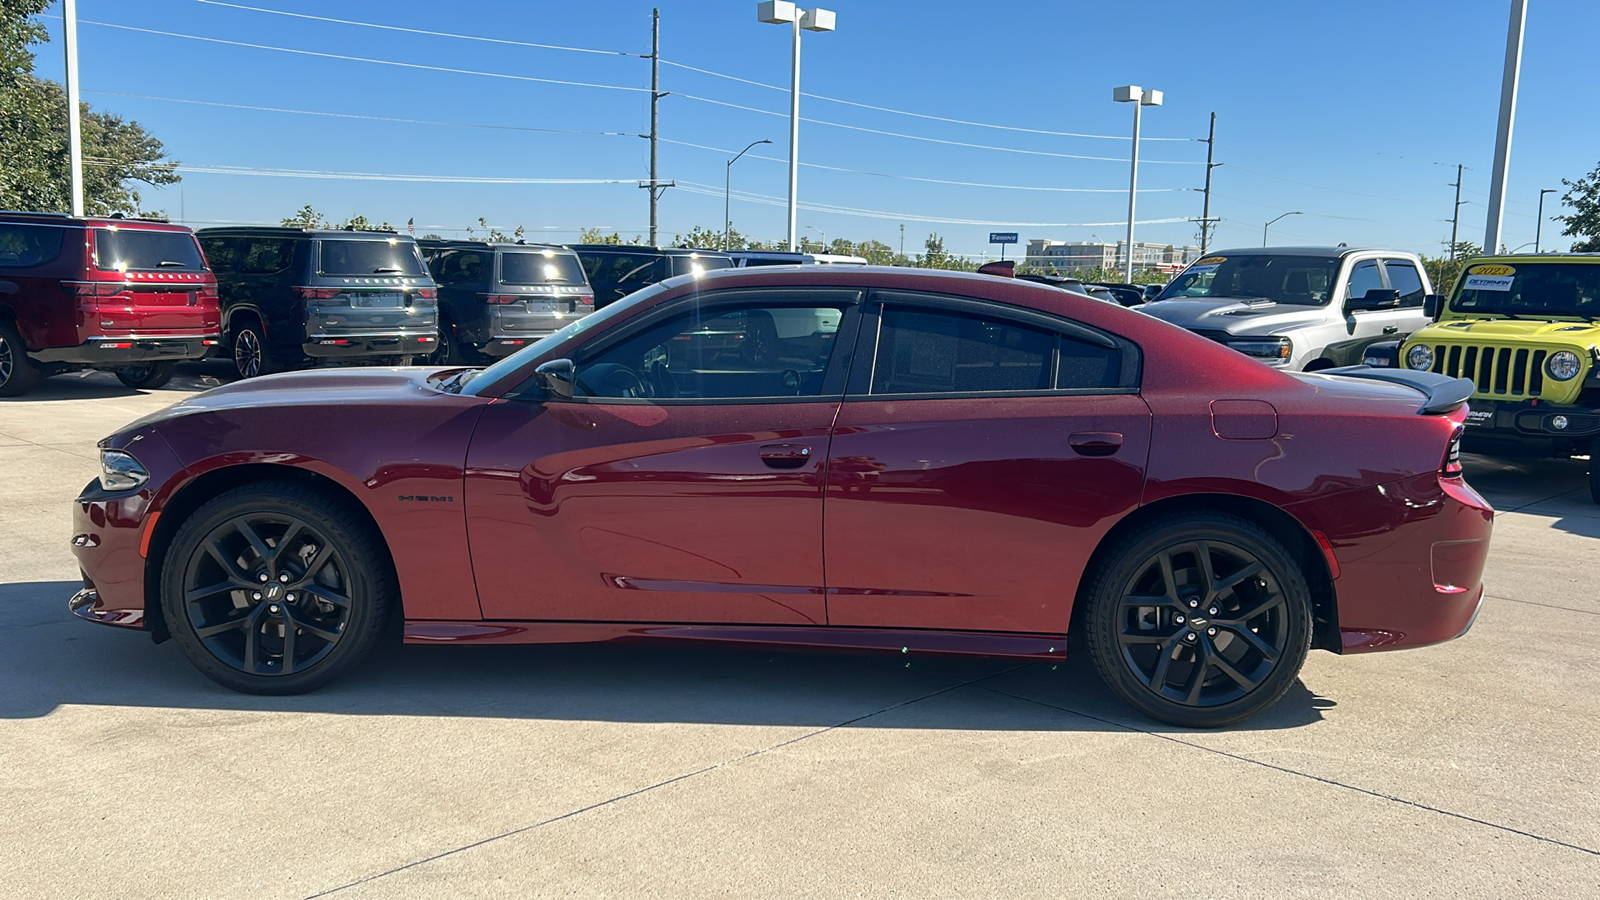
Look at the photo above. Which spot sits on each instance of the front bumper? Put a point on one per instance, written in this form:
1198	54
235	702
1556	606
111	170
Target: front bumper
108	538
111	352
357	346
1530	420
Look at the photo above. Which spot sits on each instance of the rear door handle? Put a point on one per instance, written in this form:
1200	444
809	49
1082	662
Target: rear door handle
785	456
1095	443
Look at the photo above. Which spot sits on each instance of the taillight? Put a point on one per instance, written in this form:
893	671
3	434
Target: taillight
586	301
501	298
91	288
1452	456
208	292
311	293
427	293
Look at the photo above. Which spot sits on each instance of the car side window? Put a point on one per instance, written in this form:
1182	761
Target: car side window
456	267
1403	277
222	254
925	351
742	351
266	256
636	271
1364	277
1081	365
26	246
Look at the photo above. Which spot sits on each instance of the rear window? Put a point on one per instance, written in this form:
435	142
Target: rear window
26	246
137	250
380	257
530	267
686	265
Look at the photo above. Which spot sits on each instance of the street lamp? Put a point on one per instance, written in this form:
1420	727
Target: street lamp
1269	225
727	196
824	236
781	12
1140	98
1538	229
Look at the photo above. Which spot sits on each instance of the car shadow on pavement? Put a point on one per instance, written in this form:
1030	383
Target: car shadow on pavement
49	659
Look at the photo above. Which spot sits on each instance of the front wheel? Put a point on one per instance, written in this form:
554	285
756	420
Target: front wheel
250	354
148	376
18	373
276	589
1199	620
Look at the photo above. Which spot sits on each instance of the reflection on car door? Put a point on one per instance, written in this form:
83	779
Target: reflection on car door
682	482
976	463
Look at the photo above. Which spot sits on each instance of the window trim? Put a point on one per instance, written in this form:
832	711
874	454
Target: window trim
859	386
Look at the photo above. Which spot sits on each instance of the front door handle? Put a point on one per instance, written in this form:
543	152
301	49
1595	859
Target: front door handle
1391	329
1095	443
785	456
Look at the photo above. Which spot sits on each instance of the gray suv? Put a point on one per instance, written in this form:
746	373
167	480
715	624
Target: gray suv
1300	308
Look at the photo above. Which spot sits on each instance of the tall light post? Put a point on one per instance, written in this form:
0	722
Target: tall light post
824	236
1269	225
781	12
69	19
1140	98
727	197
1538	229
1508	114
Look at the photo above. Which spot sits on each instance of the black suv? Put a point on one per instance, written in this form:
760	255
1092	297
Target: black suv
495	299
292	294
617	270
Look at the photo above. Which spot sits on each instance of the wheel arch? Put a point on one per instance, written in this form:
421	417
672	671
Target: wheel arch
1297	539
197	491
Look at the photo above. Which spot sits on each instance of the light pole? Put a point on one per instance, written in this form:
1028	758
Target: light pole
1269	225
69	19
824	236
781	12
1538	229
1140	98
727	196
1508	114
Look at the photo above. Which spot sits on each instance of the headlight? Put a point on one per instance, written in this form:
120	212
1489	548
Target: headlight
1564	365
120	471
1420	358
1271	349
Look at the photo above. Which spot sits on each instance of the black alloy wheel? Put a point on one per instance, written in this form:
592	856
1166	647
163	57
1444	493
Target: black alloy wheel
147	376
273	589
250	351
1200	621
18	373
447	351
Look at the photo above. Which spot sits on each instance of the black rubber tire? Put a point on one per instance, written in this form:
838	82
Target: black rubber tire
1106	584
1594	474
449	352
149	376
247	342
18	373
369	573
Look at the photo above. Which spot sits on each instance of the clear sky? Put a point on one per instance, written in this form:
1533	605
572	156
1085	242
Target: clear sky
1354	113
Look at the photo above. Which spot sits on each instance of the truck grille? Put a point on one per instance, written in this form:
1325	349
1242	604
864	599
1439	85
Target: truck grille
1497	371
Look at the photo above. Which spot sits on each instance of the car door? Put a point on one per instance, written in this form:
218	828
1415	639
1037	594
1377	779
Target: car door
1368	325
682	480
979	457
1411	283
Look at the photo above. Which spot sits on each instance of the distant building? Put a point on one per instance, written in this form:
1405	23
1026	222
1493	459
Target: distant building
1064	256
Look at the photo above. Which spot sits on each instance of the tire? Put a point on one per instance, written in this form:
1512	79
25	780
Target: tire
148	376
449	351
1317	365
1594	475
260	558
1148	629
18	373
250	354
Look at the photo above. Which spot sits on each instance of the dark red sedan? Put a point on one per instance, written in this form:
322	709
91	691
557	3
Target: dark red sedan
821	457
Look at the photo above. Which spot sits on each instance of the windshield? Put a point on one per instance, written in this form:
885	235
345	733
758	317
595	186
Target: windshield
534	267
1297	280
1537	290
506	367
370	257
131	249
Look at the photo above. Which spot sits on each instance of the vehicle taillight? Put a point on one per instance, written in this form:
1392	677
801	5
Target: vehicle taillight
501	298
427	293
1452	456
208	292
311	293
586	303
91	288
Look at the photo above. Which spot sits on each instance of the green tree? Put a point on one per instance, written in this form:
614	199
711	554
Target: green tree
596	236
937	257
307	217
1584	222
1443	270
495	235
35	172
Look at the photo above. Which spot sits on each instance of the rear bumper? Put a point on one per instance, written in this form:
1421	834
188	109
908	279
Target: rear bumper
1416	578
110	352
356	346
503	345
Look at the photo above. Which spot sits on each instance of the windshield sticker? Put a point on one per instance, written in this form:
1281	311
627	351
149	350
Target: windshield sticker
1209	264
1491	270
1488	283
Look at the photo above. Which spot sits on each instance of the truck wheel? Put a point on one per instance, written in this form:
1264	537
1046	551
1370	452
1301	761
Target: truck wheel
18	373
1594	476
148	376
250	355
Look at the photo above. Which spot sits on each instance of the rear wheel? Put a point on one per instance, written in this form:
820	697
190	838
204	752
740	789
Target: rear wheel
148	376
276	589
18	373
250	354
1199	620
449	351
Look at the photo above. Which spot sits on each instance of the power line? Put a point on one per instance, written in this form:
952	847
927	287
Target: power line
214	169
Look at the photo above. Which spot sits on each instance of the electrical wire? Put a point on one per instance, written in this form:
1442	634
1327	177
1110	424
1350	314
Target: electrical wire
212	169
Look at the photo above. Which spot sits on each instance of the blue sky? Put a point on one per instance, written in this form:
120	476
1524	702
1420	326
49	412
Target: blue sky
1354	113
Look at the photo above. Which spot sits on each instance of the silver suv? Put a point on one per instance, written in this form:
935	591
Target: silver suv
1301	308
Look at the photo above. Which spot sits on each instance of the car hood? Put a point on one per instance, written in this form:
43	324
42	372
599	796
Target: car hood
1568	330
1235	316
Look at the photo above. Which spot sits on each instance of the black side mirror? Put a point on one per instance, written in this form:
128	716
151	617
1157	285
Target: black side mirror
1377	298
558	377
1432	306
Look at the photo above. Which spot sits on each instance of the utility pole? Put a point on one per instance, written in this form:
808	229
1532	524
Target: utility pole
655	186
1206	222
902	239
1455	217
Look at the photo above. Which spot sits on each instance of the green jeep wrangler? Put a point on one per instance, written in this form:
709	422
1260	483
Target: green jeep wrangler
1525	329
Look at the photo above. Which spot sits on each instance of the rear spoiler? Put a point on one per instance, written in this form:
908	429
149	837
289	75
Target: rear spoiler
1443	392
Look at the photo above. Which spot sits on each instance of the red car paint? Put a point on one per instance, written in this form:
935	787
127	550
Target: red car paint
946	525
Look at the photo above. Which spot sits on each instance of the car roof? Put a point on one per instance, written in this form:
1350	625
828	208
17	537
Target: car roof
641	248
1536	258
289	231
58	219
1339	250
492	245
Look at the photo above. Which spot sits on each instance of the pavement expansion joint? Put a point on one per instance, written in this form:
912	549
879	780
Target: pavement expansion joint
1586	612
1307	775
660	784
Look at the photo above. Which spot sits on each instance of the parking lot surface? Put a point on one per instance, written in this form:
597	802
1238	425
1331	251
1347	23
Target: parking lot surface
1463	770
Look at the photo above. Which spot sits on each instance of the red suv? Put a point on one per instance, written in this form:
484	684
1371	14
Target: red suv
123	295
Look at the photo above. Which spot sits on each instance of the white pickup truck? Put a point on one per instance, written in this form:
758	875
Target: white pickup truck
1300	308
